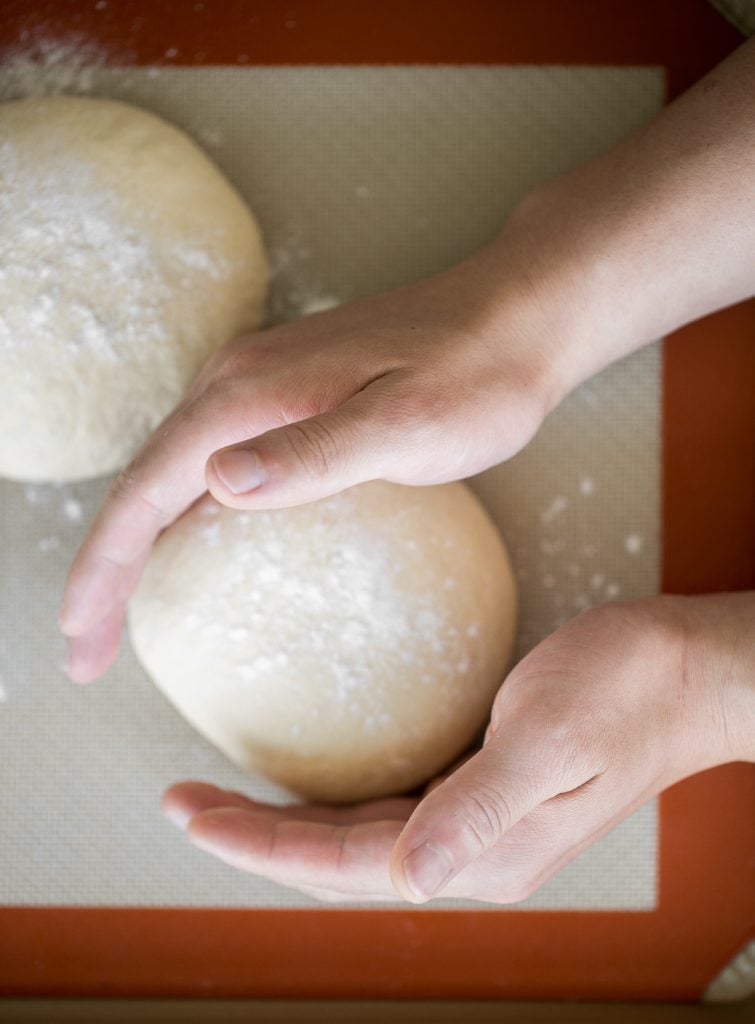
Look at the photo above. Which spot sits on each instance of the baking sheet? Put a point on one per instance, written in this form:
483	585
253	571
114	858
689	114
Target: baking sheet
362	179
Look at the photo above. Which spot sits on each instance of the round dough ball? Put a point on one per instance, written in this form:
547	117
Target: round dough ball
346	649
125	259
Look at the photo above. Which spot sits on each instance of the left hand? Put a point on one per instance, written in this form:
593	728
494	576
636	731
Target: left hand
614	707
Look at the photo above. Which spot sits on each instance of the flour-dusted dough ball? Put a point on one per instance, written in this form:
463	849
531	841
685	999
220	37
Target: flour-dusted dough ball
347	648
125	259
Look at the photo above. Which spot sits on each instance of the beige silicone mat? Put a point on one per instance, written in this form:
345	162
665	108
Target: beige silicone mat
362	178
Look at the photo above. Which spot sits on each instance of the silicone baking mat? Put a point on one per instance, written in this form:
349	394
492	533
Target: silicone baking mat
362	177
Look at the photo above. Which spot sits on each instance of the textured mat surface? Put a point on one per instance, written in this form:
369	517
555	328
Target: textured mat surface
362	178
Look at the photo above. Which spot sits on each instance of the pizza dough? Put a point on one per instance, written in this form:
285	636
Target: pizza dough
347	649
125	259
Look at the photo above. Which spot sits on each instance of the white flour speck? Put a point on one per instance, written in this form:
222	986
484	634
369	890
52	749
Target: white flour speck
555	509
318	304
49	67
210	136
48	544
633	543
613	590
73	510
586	485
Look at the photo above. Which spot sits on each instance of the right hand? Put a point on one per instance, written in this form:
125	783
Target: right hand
615	706
426	384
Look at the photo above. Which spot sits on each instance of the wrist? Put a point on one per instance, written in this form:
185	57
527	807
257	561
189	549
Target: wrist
720	667
526	298
556	276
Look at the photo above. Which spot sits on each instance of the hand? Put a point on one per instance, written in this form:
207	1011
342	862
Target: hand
444	378
617	705
426	384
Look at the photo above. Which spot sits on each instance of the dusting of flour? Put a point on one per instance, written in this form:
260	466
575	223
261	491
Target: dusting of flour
339	598
41	66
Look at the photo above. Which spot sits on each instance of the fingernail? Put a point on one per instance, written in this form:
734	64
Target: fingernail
71	665
427	868
177	815
240	469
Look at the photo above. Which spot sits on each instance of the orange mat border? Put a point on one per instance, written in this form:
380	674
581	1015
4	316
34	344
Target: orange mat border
707	847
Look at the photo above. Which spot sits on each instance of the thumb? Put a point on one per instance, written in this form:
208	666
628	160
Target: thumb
464	816
303	461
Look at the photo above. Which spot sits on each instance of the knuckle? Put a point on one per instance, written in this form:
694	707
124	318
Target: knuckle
127	484
129	489
484	817
242	360
313	445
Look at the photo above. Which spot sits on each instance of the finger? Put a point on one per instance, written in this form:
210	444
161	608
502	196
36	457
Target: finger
89	656
468	813
164	479
183	800
545	841
186	799
351	858
306	460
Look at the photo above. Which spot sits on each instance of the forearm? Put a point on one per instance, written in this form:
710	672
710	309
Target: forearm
652	235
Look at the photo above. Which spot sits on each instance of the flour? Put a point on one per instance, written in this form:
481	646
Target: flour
294	293
358	624
119	275
73	510
41	66
633	544
570	577
55	216
556	508
59	216
316	303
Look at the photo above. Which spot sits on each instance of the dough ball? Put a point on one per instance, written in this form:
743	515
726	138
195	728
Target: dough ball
125	259
346	649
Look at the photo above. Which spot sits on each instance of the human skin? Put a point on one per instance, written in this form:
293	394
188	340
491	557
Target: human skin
446	377
617	705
